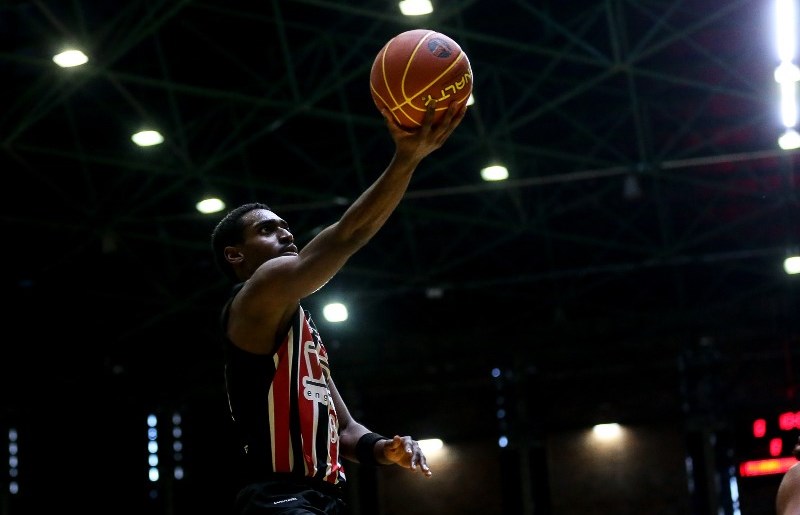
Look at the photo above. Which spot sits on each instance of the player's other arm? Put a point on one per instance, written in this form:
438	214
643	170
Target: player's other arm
398	450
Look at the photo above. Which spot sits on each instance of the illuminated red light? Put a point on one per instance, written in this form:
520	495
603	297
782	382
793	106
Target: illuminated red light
759	427
788	421
775	446
765	467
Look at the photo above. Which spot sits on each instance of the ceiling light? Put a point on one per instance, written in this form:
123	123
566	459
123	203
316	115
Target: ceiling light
70	58
787	72
789	140
210	205
415	7
335	312
792	265
789	103
470	100
147	138
785	37
494	173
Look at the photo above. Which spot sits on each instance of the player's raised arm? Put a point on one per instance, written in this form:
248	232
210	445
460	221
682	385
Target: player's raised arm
327	252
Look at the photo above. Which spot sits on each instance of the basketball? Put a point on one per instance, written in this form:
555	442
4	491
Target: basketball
418	67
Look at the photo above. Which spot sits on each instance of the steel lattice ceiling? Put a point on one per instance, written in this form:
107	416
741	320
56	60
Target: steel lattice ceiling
640	235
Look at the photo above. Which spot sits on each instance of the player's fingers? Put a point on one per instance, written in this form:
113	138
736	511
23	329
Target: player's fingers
430	111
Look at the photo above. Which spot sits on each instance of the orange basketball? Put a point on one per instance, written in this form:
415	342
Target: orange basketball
418	67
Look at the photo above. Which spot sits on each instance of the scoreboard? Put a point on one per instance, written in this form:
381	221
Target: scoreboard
768	443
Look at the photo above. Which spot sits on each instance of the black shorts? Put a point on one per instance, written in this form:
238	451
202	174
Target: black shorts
289	497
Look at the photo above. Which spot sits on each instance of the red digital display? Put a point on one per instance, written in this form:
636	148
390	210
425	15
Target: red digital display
771	440
788	421
759	428
765	467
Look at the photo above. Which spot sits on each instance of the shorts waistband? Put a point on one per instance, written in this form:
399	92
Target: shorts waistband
301	481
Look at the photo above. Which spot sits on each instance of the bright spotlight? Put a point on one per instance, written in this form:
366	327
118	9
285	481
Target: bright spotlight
335	312
210	205
70	58
607	431
792	265
147	138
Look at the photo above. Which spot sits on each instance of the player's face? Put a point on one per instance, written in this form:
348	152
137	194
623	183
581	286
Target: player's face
266	236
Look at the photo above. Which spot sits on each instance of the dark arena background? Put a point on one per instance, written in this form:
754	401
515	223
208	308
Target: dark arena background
630	269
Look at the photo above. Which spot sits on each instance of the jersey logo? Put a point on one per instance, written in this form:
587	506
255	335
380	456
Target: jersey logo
314	388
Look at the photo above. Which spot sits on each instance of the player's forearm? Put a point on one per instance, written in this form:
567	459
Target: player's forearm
348	439
374	206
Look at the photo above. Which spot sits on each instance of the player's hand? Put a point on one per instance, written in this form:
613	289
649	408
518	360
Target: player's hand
405	451
416	144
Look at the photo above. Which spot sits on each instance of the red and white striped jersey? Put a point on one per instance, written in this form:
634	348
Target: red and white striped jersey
282	408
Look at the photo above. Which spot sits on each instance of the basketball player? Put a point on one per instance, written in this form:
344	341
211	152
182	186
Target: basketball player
293	424
787	501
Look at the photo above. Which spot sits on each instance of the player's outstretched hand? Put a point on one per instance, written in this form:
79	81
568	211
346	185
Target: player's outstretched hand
416	144
405	451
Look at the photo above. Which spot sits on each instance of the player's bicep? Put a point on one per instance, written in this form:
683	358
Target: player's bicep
287	279
315	265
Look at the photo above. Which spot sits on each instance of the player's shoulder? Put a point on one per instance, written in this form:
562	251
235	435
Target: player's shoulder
787	501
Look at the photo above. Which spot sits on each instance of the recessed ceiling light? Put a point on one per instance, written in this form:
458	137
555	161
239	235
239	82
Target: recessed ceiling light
70	58
494	173
147	138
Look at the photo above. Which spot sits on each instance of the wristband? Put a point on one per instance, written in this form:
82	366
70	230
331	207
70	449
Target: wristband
365	448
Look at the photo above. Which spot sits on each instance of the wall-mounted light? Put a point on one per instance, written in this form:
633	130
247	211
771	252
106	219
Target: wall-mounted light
789	140
787	73
607	431
792	265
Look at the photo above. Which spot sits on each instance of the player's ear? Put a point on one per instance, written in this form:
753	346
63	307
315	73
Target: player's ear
233	255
